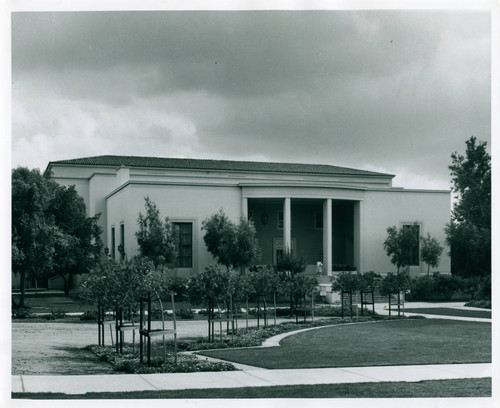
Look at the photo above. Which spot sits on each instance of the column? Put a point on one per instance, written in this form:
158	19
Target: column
287	224
327	236
358	234
244	208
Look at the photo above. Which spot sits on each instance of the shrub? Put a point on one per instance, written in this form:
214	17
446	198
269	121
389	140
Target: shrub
341	267
185	313
423	288
90	315
53	316
21	313
447	285
485	304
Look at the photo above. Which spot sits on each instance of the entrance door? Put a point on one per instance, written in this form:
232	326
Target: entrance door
278	249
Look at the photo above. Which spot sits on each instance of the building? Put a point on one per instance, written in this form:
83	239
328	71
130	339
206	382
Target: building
333	215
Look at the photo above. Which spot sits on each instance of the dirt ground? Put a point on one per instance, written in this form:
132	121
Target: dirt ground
56	348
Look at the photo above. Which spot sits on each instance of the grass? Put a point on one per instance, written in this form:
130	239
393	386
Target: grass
466	388
397	342
446	311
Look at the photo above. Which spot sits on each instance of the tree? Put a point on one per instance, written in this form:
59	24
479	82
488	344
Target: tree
232	245
154	236
398	245
78	244
469	233
51	234
210	287
430	252
32	233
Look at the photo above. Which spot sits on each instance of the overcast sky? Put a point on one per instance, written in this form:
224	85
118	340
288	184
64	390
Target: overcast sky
390	91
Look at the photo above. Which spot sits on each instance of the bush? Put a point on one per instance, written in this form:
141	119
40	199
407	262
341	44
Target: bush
341	267
53	316
423	288
89	315
447	285
185	313
21	313
485	304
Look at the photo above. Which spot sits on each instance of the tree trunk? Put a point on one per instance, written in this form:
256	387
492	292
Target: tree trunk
67	283
23	289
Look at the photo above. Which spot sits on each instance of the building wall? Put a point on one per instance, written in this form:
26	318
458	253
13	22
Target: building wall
387	208
180	203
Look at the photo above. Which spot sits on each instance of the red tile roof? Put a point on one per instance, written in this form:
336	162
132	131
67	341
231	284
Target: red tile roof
214	165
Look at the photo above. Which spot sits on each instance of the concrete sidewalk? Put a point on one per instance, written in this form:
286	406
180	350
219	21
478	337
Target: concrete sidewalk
81	384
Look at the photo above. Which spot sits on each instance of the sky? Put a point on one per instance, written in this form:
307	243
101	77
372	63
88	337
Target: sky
395	91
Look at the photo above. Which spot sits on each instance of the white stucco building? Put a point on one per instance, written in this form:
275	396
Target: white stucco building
333	215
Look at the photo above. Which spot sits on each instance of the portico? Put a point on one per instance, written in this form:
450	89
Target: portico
321	224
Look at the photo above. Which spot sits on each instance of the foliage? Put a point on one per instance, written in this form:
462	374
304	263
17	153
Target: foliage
78	245
484	304
21	313
469	233
154	236
119	284
185	313
423	288
447	284
394	283
342	267
291	264
232	245
184	363
265	280
368	281
51	233
89	315
345	282
430	252
353	282
470	249
209	285
398	245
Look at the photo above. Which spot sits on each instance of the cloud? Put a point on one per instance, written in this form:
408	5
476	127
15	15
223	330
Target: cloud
394	89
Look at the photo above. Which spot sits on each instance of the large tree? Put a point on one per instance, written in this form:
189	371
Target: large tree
51	233
77	243
469	233
32	233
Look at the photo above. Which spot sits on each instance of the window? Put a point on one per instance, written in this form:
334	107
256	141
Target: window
414	250
280	220
250	215
122	242
113	243
318	221
183	238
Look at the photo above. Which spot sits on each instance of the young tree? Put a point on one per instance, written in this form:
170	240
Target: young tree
469	233
155	236
430	252
232	245
398	245
209	287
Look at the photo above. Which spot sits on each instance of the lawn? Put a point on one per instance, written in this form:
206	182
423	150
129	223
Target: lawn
472	387
447	311
397	342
